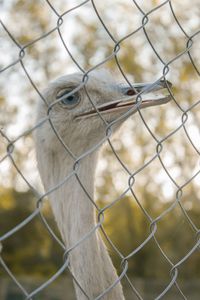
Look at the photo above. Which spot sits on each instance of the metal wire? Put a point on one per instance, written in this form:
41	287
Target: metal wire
160	145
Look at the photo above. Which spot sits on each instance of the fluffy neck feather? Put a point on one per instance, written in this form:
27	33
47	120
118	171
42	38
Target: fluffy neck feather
75	216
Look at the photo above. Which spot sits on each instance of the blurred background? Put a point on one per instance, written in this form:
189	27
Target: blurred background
31	253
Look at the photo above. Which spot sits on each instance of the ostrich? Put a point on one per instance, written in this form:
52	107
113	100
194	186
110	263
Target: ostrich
79	126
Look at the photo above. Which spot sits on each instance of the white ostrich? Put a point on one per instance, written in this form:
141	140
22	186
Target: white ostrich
80	127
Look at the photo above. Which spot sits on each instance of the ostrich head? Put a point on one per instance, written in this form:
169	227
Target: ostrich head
81	113
75	108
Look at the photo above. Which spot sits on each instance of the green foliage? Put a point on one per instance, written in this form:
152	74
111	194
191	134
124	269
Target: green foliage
31	250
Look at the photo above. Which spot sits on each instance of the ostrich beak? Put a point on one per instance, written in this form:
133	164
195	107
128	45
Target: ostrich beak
139	96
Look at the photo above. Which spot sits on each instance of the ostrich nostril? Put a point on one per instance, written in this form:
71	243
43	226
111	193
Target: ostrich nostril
131	92
165	83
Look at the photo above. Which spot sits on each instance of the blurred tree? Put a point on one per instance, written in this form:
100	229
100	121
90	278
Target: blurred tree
125	223
29	250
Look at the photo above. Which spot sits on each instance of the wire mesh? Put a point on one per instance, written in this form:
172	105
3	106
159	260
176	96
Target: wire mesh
153	223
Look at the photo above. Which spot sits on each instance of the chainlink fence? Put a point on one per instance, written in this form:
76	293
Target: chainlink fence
153	222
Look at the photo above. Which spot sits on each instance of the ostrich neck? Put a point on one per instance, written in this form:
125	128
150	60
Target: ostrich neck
75	216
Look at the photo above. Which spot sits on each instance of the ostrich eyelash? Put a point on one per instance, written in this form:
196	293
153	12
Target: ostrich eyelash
63	92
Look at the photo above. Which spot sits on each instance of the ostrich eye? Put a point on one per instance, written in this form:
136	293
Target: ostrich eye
68	101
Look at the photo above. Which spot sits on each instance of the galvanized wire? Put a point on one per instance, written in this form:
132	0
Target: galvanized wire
160	144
